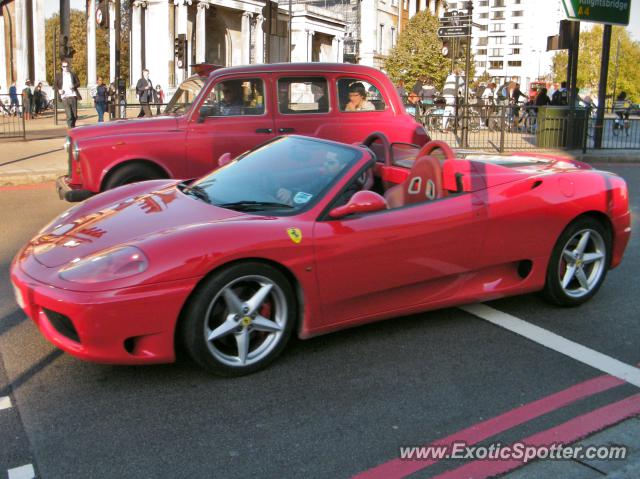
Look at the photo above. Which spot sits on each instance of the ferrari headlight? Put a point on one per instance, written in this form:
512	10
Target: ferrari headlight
107	265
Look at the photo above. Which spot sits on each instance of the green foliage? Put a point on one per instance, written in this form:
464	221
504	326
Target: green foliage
418	53
78	41
589	62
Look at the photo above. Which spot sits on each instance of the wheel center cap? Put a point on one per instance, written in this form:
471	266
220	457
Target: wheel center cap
579	263
246	321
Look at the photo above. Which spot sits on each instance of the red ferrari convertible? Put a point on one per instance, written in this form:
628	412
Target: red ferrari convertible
311	236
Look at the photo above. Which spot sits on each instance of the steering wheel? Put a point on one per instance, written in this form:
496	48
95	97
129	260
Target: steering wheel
434	145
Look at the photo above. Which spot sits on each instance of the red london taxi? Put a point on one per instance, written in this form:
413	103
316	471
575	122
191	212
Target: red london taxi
232	110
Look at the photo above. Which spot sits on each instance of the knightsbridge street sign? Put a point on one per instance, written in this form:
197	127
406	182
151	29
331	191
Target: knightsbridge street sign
615	12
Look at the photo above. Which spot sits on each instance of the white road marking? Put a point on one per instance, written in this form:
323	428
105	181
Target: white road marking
5	402
556	342
22	472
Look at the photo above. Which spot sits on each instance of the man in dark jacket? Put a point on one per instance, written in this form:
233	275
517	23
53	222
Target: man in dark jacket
67	84
145	91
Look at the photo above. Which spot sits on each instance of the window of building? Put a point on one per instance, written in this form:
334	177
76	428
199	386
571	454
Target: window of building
497	27
301	95
516	26
497	3
483	41
483	3
498	15
393	37
235	97
481	51
517	2
481	64
496	52
380	37
483	28
484	15
356	95
515	63
517	13
515	40
496	65
498	40
515	51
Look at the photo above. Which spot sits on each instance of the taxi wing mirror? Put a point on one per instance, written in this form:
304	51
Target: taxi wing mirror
361	202
224	159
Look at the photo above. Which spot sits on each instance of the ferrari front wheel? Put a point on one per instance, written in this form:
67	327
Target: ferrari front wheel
240	319
579	263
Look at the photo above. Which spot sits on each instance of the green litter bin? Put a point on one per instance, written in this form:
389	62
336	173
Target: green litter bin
551	131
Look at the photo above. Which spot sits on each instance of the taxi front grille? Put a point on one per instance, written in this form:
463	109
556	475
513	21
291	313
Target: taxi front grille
62	324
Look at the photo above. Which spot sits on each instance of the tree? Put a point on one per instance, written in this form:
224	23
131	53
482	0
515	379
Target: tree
589	63
418	53
78	40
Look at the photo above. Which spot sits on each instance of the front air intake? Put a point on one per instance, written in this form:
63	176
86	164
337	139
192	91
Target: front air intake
62	324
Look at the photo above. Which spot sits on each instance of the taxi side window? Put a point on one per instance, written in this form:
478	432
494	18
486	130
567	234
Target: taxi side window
235	97
357	95
303	95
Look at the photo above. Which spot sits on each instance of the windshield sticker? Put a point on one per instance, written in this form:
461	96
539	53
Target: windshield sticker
295	234
302	198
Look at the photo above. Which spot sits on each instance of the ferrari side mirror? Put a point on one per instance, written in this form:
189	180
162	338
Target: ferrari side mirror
361	202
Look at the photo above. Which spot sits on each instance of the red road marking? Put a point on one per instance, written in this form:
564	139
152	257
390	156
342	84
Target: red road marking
48	184
565	433
398	468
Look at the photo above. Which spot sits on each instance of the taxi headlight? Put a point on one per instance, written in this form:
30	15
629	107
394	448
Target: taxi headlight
75	152
107	265
67	144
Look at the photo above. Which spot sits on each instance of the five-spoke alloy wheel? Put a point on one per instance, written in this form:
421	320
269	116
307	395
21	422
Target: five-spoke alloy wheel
579	262
239	319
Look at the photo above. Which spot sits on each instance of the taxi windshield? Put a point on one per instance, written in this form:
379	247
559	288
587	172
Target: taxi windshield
285	176
184	96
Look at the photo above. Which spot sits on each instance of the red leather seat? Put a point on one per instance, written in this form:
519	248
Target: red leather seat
424	183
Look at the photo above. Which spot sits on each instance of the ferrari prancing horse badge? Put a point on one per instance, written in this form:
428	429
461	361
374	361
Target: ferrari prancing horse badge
295	234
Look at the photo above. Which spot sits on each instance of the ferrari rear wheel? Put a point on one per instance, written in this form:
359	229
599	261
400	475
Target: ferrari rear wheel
579	263
240	319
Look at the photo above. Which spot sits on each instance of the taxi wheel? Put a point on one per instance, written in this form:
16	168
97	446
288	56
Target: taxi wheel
131	173
579	263
240	319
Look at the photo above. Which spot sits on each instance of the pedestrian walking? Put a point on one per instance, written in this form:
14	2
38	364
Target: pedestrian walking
67	84
100	99
560	97
27	98
159	98
146	93
38	100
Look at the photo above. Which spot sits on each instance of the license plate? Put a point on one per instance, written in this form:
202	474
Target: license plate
18	294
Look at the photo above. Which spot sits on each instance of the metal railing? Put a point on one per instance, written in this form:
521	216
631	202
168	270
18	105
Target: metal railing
12	120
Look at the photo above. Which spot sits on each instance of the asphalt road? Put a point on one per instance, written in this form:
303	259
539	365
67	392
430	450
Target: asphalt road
329	407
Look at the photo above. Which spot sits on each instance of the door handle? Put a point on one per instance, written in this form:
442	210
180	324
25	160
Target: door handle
286	130
264	130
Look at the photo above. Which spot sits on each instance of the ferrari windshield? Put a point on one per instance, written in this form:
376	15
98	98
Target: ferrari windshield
184	96
284	176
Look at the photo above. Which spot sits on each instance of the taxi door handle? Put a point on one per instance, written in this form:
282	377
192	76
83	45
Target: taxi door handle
264	130
286	130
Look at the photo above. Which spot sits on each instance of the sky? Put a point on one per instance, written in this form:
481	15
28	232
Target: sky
52	6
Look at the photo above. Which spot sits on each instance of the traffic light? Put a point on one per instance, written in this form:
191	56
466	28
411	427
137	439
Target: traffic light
102	13
179	49
270	15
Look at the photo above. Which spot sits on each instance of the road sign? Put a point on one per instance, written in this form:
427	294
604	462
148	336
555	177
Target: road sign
454	31
615	12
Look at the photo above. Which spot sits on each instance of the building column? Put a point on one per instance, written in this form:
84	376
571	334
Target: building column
340	58
39	45
136	41
432	7
310	34
182	27
201	31
259	39
412	8
22	44
91	44
160	50
112	41
246	38
4	81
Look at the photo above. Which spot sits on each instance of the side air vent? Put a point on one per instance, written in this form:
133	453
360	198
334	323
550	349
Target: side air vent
524	268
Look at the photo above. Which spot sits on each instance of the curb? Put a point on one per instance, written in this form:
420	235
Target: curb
29	177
